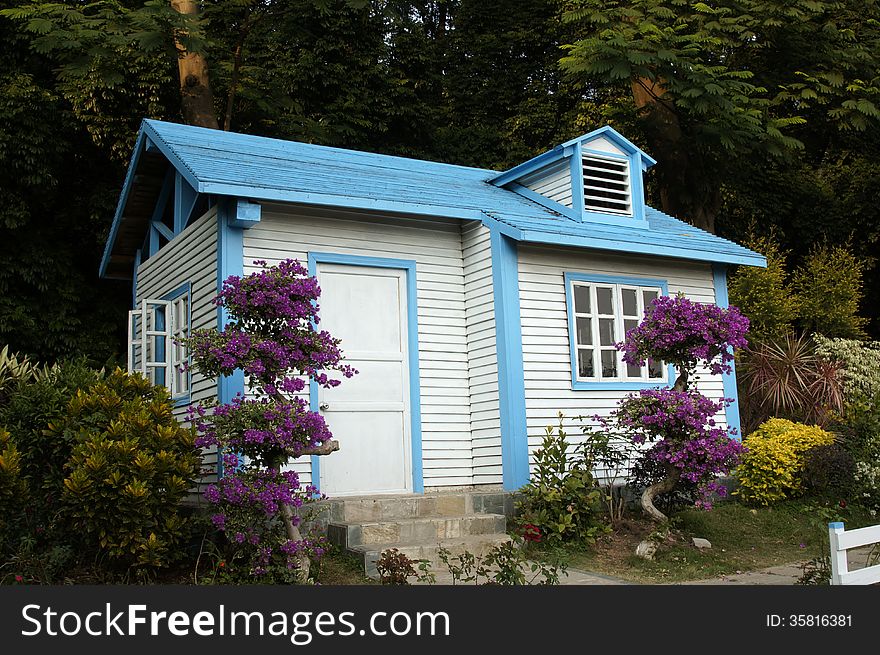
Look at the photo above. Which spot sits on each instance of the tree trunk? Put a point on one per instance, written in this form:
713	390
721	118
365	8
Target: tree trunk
665	485
197	100
688	188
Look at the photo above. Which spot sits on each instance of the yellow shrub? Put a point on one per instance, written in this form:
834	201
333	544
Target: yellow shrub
772	466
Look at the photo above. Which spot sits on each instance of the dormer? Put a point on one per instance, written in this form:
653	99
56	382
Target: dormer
596	178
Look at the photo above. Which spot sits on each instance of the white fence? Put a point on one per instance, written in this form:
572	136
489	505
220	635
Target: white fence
842	540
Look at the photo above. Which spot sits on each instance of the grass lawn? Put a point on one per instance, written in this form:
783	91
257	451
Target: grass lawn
742	538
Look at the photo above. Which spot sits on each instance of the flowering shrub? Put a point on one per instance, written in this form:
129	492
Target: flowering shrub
686	441
772	467
860	361
687	437
684	332
271	337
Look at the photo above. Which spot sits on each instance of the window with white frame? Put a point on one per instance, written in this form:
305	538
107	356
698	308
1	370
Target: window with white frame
153	331
602	314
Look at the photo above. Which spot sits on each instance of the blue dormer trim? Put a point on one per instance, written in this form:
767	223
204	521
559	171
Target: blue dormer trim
574	150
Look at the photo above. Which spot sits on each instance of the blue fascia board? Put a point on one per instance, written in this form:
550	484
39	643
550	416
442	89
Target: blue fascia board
178	163
509	349
123	199
719	279
412	318
553	238
607	131
533	164
230	261
599	278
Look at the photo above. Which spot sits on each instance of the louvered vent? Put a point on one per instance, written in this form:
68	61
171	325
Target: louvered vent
607	185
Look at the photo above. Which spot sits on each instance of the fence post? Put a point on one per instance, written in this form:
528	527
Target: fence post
838	556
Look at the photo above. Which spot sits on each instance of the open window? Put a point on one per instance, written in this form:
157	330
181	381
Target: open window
154	329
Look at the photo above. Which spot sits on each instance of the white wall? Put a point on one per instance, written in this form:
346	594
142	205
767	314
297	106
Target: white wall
482	356
287	231
190	257
546	354
552	181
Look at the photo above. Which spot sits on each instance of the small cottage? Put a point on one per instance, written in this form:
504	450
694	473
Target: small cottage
476	304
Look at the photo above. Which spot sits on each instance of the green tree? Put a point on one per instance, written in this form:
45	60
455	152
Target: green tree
763	294
716	84
829	290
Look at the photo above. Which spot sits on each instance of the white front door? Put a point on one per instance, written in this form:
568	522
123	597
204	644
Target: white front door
368	414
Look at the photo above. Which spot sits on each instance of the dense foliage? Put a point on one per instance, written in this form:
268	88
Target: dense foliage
779	131
93	470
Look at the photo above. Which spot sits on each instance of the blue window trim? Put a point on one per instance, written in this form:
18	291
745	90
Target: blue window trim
409	266
600	385
186	288
719	279
508	346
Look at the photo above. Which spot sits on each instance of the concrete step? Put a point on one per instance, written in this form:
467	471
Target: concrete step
478	545
376	509
411	530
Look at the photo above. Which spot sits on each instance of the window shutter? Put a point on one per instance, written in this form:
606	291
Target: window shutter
607	186
135	352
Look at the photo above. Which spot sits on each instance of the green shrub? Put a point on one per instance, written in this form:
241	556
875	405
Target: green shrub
13	490
829	290
562	496
762	294
131	464
829	472
30	407
861	365
772	466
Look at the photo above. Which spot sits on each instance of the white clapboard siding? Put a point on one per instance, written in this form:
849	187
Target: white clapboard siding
190	257
287	231
482	356
546	354
552	182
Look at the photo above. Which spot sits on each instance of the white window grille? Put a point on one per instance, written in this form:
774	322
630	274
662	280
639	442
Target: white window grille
603	314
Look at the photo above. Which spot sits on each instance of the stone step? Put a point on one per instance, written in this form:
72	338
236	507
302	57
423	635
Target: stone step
385	508
478	545
346	535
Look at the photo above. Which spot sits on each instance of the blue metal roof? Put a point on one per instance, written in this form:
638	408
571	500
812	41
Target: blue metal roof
259	168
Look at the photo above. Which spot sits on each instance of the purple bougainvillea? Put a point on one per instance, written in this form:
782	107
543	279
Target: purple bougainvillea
683	332
271	336
680	422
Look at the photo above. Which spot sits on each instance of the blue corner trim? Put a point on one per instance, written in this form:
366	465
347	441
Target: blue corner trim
415	405
600	385
719	278
836	525
230	261
508	345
